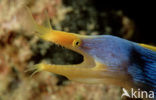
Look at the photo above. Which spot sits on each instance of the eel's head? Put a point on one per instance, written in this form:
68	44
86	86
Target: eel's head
88	71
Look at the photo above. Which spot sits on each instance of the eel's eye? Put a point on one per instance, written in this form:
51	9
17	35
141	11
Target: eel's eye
76	43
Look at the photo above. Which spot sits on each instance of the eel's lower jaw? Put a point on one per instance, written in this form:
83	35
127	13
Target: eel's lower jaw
86	71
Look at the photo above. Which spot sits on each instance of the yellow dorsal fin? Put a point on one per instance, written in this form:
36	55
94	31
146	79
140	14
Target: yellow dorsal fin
153	48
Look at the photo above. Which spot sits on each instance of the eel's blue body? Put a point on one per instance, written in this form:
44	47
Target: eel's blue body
121	54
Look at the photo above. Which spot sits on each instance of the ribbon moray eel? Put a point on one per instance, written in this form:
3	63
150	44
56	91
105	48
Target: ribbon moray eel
106	59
